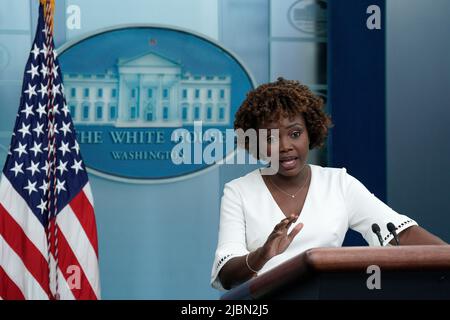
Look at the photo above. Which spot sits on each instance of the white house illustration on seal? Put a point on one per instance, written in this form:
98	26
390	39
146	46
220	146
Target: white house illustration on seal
148	91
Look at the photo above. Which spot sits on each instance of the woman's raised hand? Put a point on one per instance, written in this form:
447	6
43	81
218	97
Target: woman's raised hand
279	239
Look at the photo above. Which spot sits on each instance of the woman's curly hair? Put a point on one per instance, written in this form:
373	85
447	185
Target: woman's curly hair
284	98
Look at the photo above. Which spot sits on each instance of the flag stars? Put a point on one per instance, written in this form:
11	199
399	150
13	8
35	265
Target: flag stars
31	91
42	206
65	128
36	148
45	50
44	70
41	110
39	129
46	168
31	187
40	164
77	166
62	167
55	71
54	129
24	130
50	147
76	147
44	186
64	148
35	51
44	90
21	149
55	109
34	71
55	90
28	110
65	110
17	168
60	186
33	167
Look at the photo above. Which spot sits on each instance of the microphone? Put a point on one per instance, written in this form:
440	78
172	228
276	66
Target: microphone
376	230
392	229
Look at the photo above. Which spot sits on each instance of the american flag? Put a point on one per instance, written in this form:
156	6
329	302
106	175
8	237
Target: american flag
43	257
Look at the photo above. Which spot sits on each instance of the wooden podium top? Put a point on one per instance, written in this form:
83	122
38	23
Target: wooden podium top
344	259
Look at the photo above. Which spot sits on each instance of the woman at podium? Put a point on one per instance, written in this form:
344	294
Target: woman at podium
268	219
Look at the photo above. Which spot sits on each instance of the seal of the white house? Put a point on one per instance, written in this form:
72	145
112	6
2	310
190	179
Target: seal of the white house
128	88
309	16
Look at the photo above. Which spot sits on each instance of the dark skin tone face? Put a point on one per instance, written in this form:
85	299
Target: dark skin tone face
289	186
293	146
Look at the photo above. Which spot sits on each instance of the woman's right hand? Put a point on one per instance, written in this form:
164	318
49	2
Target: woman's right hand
240	269
279	239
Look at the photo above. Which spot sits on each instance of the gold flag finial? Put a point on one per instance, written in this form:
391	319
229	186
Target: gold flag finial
49	9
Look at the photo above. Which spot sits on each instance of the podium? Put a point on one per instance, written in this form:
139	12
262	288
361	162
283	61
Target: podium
405	272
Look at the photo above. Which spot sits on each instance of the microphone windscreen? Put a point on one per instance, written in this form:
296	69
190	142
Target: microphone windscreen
375	228
391	227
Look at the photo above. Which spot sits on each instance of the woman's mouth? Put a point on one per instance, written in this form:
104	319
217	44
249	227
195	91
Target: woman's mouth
288	163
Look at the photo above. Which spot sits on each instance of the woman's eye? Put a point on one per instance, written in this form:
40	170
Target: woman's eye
296	134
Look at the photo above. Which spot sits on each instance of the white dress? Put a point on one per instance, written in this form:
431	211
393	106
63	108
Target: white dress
335	202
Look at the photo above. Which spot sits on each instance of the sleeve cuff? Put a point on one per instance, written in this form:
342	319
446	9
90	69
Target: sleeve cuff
218	265
387	236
